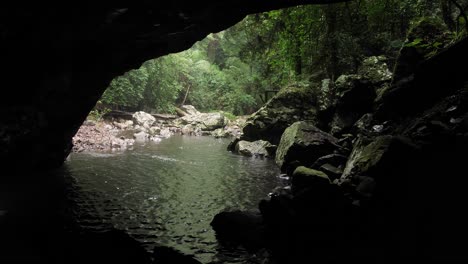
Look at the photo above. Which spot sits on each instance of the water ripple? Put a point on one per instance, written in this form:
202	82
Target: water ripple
167	193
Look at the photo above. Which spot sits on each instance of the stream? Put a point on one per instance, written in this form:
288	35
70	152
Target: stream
167	193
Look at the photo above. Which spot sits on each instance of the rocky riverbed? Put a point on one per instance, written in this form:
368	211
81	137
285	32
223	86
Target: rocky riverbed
362	164
114	134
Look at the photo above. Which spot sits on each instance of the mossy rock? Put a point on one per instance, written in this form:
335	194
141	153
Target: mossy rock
306	178
425	39
303	142
290	104
378	157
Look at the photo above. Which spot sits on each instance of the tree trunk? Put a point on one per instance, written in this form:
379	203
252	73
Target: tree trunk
186	94
331	20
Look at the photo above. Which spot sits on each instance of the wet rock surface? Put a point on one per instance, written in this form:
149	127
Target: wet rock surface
291	104
120	134
303	142
257	148
384	193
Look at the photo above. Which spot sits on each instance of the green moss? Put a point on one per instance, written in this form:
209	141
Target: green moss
304	171
428	36
230	116
287	139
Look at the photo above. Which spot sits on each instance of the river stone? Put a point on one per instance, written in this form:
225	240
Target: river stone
212	121
154	131
232	145
256	148
140	136
205	121
304	177
143	119
190	109
219	133
304	142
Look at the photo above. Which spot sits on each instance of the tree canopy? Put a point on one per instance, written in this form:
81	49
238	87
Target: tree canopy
231	70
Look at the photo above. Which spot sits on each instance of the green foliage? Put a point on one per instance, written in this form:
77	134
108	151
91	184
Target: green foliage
98	112
231	70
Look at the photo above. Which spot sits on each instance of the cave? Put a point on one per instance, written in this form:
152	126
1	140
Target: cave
57	61
72	52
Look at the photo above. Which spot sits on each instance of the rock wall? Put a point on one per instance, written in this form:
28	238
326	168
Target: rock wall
390	186
57	59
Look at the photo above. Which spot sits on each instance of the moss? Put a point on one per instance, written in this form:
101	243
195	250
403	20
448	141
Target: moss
287	139
230	116
428	36
373	153
307	172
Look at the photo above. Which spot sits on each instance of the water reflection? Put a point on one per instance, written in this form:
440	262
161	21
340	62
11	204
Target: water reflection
168	192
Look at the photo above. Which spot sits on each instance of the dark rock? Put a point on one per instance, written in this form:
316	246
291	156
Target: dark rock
366	186
240	227
355	97
75	56
379	157
106	247
167	255
289	105
305	143
304	178
232	145
420	73
336	160
290	167
332	171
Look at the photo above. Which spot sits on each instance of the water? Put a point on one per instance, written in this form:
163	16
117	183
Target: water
167	193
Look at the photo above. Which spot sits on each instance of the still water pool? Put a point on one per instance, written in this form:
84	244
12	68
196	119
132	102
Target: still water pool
167	193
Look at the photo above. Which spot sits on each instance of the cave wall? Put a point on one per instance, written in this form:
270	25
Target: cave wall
57	60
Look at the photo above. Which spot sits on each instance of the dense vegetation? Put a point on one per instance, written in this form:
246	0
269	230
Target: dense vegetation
231	70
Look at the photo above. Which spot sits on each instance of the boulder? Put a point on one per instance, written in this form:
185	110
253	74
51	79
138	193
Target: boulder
219	133
304	177
289	105
212	121
113	246
165	133
143	119
336	160
154	131
256	148
304	142
205	121
378	157
232	145
190	109
332	171
240	227
140	136
354	97
375	70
